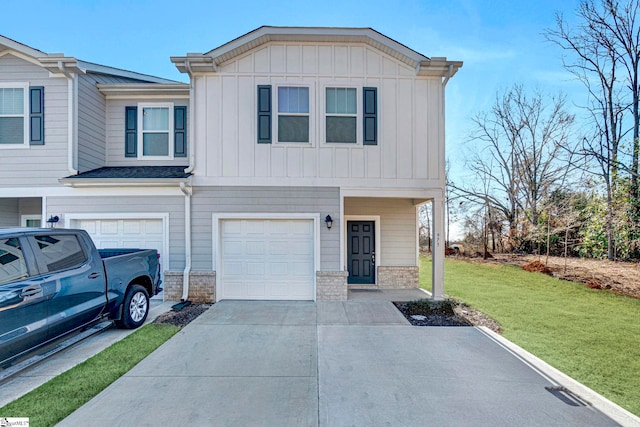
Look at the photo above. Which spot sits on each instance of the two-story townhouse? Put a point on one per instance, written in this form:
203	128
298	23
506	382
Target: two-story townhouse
291	167
93	147
312	150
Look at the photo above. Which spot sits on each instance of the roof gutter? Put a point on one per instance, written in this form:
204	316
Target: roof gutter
188	191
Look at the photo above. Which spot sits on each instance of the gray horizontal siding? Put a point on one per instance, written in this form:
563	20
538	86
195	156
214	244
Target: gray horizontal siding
173	205
91	126
37	165
9	216
397	227
209	200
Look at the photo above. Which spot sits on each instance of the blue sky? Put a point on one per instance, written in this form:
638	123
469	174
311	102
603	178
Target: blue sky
500	42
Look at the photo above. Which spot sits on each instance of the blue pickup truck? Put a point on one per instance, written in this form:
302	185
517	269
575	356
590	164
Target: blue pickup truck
54	282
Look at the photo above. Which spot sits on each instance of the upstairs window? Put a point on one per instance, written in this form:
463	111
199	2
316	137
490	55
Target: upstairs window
342	115
155	131
293	114
155	136
14	126
21	115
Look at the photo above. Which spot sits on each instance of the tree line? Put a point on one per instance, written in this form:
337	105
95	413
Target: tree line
548	181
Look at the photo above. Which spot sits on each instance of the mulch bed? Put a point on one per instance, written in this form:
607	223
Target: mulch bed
183	316
445	313
419	313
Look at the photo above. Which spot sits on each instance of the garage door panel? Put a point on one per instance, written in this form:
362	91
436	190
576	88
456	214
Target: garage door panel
108	227
267	259
232	247
255	247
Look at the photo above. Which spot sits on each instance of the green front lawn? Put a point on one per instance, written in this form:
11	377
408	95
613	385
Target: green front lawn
53	401
592	336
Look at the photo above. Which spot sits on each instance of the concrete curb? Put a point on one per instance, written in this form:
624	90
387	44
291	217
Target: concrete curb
596	400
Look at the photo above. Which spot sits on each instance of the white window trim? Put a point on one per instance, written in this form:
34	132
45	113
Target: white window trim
323	128
141	132
25	218
25	87
276	115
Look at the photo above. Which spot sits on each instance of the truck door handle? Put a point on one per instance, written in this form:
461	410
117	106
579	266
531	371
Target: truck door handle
30	291
94	275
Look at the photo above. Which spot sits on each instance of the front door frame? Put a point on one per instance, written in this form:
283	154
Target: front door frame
378	240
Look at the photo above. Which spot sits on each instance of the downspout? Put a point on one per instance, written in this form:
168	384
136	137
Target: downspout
188	191
192	108
71	117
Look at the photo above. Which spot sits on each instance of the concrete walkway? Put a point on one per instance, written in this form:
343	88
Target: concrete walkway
354	363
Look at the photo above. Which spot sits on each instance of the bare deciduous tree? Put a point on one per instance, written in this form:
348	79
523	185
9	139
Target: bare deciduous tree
601	47
519	155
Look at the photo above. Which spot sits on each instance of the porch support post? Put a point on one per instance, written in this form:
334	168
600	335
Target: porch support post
437	244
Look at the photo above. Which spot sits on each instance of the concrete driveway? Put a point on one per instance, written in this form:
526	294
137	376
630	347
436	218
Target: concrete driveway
355	363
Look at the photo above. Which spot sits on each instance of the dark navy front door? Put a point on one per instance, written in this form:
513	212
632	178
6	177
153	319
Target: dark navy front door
361	246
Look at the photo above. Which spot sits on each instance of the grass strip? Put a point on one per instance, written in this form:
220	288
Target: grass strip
56	399
590	335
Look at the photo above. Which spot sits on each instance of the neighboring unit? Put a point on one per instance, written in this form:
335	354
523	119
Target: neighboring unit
291	167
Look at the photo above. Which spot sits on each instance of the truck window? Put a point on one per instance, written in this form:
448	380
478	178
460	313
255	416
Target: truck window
12	265
61	251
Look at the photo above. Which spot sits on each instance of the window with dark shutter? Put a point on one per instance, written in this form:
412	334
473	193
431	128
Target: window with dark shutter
131	132
180	131
370	115
36	115
264	114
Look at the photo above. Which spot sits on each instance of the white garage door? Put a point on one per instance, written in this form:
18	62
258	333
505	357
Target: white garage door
125	233
266	259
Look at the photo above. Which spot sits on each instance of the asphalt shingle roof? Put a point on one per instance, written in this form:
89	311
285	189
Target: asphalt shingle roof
134	172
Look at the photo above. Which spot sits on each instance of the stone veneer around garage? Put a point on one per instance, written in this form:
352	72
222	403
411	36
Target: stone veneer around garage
398	277
331	285
202	286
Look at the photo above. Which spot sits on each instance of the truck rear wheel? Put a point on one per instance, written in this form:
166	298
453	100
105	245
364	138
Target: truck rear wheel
135	308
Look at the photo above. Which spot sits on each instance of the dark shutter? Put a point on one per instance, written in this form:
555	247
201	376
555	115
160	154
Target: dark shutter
131	132
264	114
180	131
370	115
36	115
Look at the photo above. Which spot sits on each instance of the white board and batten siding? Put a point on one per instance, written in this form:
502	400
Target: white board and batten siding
410	150
37	165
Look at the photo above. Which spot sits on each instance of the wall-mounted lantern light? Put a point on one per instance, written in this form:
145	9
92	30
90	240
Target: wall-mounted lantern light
53	220
328	221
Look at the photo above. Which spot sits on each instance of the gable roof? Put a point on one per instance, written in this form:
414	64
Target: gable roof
208	62
59	63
